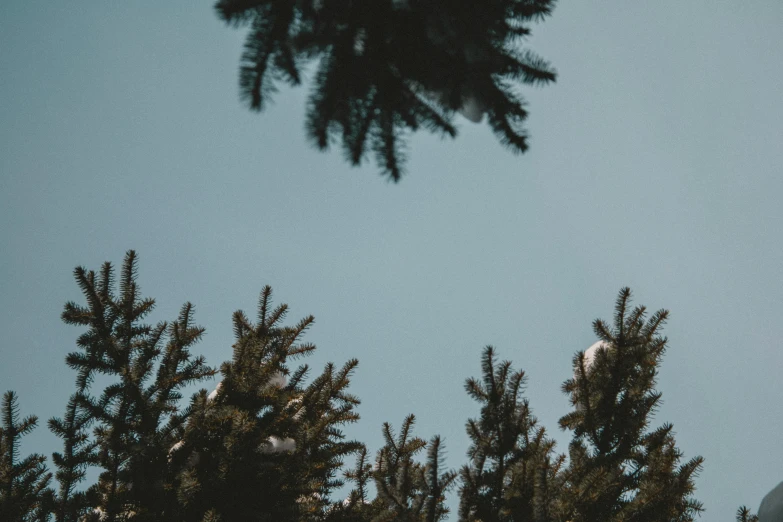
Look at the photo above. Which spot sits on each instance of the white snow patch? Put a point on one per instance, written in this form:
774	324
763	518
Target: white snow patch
358	42
312	497
347	502
194	459
296	403
175	448
278	379
278	445
771	508
472	109
212	396
127	514
590	355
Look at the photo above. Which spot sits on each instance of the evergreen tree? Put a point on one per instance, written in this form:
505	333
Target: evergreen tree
388	67
137	416
512	475
78	454
409	491
744	515
358	506
618	469
264	446
24	484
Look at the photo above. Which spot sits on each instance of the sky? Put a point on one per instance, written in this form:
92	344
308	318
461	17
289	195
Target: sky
654	162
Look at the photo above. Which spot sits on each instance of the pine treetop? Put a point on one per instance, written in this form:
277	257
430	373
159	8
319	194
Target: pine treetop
25	495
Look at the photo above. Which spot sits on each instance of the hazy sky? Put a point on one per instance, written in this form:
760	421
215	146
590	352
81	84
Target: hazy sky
655	162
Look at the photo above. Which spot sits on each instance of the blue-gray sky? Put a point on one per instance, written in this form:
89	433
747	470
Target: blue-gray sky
655	162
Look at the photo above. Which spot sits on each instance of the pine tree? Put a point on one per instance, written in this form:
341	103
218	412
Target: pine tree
437	483
265	446
137	416
358	506
24	484
409	491
390	67
744	515
513	474
78	454
618	469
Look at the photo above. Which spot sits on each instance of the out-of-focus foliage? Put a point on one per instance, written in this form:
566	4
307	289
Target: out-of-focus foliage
386	68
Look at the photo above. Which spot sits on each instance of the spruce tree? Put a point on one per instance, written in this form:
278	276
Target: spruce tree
78	454
408	490
389	67
358	505
744	515
268	443
513	472
619	470
266	446
25	495
137	415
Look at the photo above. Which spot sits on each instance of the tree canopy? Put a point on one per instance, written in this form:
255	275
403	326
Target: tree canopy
269	442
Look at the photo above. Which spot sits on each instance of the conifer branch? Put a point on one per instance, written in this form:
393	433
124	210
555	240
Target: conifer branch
386	68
